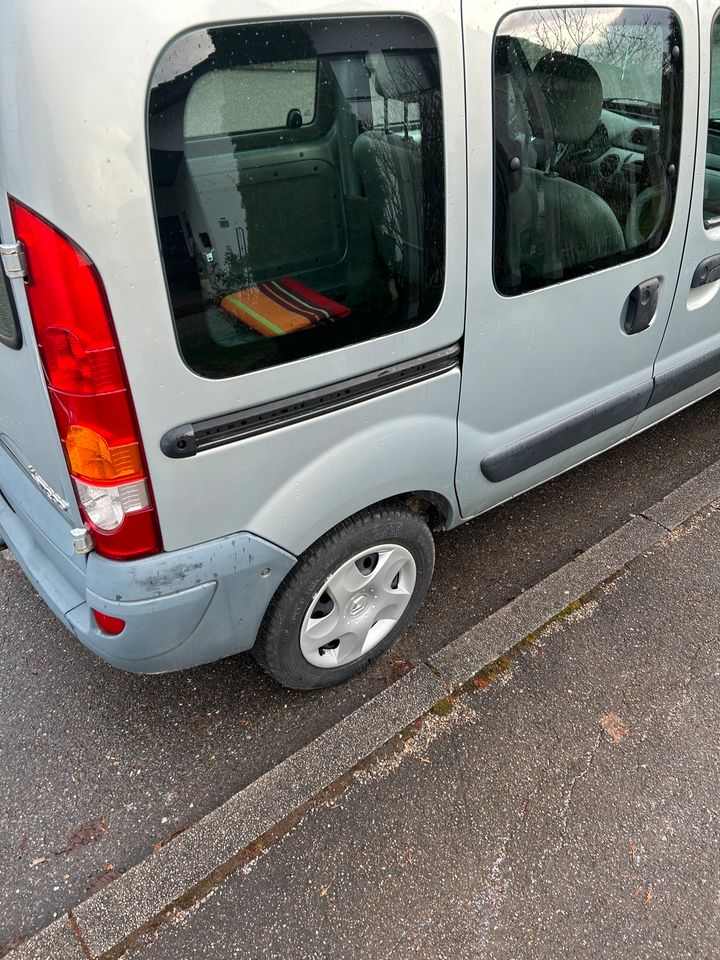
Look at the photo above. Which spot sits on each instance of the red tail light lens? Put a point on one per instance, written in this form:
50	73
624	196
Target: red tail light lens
88	390
73	368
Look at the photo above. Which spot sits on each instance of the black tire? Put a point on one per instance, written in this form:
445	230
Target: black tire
277	649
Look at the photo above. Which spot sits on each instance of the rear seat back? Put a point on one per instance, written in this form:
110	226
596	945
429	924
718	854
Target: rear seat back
391	170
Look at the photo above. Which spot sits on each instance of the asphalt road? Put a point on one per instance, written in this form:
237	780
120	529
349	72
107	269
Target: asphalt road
568	810
98	766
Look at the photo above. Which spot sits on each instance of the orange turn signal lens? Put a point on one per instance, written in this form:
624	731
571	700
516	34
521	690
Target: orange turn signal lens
91	457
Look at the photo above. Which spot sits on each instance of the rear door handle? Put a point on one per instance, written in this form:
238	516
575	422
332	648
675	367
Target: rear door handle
707	271
642	306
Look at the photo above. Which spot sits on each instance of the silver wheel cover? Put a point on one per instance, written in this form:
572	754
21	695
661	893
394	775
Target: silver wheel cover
358	605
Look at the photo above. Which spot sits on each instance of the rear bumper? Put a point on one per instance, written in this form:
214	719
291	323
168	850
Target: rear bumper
181	609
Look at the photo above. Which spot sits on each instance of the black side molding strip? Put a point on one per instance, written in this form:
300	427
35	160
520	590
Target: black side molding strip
516	457
191	438
685	375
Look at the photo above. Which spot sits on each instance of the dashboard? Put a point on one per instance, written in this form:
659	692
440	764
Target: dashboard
620	142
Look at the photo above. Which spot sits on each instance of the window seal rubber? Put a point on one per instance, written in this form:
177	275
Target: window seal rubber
14	340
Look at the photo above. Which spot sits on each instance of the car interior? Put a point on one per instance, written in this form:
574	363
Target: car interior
581	175
299	179
327	228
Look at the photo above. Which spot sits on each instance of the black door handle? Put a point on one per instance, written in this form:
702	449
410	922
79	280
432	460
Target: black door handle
707	271
642	304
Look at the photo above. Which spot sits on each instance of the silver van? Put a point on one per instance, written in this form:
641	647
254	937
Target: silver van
285	288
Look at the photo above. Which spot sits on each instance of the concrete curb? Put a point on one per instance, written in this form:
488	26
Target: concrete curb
57	941
469	654
698	492
101	923
131	901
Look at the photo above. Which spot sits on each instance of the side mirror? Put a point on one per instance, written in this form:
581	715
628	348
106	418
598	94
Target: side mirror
294	119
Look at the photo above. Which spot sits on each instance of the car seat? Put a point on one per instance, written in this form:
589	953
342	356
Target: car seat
391	171
559	224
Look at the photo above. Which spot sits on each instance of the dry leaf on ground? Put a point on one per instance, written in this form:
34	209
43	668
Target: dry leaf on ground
614	727
167	838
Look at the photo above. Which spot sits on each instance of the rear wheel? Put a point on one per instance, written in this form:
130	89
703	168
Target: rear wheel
348	598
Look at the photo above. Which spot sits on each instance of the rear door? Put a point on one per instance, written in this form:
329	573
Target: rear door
139	181
688	364
308	175
576	229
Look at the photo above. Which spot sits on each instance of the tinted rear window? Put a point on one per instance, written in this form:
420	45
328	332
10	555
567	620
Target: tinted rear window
299	179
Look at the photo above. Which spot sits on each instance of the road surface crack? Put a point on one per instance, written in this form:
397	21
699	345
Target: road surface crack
507	841
567	800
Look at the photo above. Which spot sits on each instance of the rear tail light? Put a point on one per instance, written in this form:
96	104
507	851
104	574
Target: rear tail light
88	390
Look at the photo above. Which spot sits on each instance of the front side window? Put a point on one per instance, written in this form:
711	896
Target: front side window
587	131
299	187
711	196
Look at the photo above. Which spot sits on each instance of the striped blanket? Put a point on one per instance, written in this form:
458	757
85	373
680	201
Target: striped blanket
281	306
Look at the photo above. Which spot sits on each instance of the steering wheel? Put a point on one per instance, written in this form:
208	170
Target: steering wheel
636	229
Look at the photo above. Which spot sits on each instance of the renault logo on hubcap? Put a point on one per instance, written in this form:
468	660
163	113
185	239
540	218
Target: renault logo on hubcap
357	605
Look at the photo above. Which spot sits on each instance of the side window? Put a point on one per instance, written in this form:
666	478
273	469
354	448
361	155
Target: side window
9	329
299	184
711	197
588	109
267	96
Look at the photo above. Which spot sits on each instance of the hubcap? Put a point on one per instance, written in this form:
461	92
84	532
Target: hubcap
358	605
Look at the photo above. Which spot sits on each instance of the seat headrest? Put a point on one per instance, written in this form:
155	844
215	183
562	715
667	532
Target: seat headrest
565	98
401	76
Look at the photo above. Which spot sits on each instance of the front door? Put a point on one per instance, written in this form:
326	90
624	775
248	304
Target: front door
688	364
579	163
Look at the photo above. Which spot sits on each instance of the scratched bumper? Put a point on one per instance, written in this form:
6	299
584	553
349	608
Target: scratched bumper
180	609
